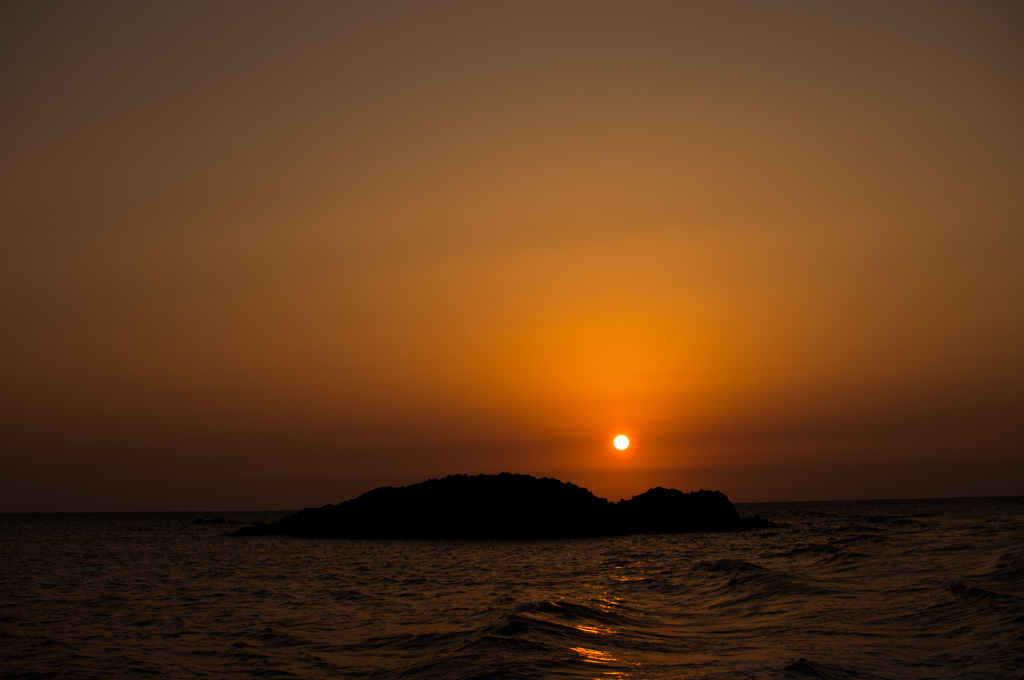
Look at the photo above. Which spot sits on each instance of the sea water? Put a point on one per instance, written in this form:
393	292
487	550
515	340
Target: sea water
887	589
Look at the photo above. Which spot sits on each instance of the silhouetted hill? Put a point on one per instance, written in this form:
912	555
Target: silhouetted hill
669	511
507	506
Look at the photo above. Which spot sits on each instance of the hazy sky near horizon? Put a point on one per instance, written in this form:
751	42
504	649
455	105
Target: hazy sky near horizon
270	255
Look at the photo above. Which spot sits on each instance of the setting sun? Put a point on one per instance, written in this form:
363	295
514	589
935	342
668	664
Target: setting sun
621	442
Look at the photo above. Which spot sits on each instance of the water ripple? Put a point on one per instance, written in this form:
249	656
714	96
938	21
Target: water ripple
894	589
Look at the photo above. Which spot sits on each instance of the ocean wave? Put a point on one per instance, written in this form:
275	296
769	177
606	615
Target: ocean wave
802	669
272	638
965	590
606	612
745	587
943	603
729	565
891	520
812	548
831	556
1008	568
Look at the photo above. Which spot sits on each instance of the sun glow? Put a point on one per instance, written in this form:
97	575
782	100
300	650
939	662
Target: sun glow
621	442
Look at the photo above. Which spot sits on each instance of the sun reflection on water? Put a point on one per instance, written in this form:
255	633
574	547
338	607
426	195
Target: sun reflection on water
596	656
593	655
594	630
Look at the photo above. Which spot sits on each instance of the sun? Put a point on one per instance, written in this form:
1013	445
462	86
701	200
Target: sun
621	442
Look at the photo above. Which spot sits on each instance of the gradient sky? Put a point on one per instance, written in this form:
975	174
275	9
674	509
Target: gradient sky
271	255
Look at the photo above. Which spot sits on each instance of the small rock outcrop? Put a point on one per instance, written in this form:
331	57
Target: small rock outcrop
507	506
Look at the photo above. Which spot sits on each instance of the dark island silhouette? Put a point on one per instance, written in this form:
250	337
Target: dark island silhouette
508	506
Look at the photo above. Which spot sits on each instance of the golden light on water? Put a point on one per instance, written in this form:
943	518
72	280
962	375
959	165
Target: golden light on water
621	442
593	655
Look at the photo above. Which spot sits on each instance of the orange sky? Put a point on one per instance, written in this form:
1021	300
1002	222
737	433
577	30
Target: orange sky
271	255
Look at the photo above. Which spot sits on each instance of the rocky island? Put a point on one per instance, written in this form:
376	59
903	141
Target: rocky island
508	506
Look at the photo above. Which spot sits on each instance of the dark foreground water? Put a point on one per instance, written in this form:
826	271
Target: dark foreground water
895	589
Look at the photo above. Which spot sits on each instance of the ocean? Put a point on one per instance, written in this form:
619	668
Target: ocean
869	589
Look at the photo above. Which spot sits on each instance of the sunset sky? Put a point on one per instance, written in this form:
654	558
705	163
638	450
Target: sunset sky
262	255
